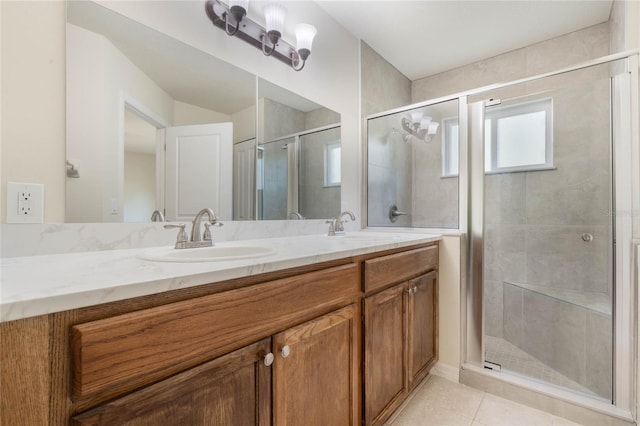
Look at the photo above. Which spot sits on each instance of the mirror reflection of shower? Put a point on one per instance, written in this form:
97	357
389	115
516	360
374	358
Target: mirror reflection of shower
408	156
299	175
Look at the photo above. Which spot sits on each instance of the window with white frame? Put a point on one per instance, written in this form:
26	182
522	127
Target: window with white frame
332	152
517	138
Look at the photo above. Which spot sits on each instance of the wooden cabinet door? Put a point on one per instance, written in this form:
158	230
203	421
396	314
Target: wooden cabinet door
234	389
315	372
422	322
384	353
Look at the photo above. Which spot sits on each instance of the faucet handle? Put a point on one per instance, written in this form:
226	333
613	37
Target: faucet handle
332	231
182	234
207	232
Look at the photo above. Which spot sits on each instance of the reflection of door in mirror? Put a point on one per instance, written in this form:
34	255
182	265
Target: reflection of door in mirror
140	188
244	179
198	170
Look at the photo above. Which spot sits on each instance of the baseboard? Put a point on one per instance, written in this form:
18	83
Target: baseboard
446	371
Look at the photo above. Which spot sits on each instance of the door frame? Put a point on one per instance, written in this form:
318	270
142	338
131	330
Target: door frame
129	102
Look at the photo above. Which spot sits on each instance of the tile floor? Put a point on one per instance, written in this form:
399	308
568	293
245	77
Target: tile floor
440	402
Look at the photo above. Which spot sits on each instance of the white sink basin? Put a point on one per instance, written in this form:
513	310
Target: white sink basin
207	254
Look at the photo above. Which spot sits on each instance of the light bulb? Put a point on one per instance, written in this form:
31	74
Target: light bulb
304	38
416	116
433	128
424	123
274	14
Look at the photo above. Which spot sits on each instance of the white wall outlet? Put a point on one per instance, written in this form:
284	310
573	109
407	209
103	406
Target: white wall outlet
25	202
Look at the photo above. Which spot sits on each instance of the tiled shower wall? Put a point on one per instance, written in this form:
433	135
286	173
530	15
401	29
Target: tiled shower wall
383	88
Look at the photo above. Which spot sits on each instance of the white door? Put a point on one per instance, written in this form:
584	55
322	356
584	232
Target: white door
244	178
198	170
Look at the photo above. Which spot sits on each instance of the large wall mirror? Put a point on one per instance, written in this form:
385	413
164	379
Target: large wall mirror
156	125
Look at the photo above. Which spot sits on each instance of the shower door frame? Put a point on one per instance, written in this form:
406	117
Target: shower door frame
624	143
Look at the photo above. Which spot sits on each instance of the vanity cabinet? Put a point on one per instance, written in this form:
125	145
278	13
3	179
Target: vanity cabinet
232	389
333	343
400	328
316	372
290	376
286	374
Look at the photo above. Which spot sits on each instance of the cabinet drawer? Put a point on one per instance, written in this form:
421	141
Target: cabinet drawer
386	270
121	353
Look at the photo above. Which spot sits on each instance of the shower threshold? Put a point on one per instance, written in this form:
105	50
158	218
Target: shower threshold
515	360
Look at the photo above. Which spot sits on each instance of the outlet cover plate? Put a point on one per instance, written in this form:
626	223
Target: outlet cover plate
25	202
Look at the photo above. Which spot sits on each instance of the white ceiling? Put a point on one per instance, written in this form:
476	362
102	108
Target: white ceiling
425	37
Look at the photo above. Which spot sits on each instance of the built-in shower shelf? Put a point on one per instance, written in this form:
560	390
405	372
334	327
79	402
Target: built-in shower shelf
594	301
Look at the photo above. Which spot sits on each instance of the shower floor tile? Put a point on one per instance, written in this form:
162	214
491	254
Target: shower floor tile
515	360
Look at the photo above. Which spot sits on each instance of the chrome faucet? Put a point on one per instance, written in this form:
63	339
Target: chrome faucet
336	227
195	229
183	242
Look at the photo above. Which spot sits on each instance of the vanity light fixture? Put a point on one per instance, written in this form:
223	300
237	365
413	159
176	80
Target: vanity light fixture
234	21
419	126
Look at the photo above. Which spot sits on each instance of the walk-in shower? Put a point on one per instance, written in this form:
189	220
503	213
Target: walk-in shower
538	169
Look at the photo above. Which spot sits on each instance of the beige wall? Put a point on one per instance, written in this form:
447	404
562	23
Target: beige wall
449	298
100	79
32	141
383	86
538	58
187	114
139	186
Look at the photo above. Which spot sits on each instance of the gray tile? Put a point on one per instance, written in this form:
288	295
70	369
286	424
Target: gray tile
569	341
513	315
559	258
493	309
599	351
505	198
538	320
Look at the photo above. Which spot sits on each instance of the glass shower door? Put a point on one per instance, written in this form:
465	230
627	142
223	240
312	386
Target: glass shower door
547	232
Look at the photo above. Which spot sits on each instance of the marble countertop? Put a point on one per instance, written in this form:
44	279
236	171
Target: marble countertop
38	285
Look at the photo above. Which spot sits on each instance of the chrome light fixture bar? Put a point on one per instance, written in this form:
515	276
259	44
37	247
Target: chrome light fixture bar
232	20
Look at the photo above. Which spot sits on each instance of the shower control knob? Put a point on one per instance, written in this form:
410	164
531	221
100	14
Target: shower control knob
587	238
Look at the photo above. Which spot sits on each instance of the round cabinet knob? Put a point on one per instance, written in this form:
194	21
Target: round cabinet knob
268	359
285	351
